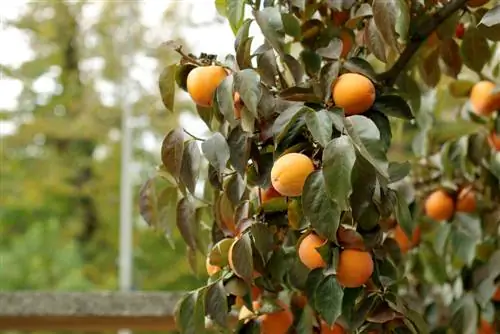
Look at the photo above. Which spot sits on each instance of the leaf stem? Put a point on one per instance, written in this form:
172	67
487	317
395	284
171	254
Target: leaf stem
187	57
423	31
192	136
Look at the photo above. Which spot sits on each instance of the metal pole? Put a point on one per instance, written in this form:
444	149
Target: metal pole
126	212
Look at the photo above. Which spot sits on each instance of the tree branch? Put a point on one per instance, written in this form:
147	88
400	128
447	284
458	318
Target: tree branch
422	32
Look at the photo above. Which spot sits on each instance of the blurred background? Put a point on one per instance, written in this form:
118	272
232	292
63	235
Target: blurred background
68	72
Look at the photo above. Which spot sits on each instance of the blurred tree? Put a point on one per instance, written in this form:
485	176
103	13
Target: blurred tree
61	168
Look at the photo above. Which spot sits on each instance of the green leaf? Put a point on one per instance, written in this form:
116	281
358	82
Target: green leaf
291	25
242	34
375	41
235	10
243	56
465	236
322	212
329	72
216	303
241	257
247	83
286	120
429	69
460	88
465	314
171	152
361	66
402	213
339	157
398	171
305	323
443	132
190	314
190	167
271	25
263	239
167	86
492	17
320	125
216	151
365	137
239	148
328	299
393	105
167	203
148	208
221	7
450	54
225	100
392	18
186	221
364	182
333	50
475	50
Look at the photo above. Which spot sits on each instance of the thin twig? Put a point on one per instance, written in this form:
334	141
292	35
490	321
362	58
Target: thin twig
422	32
187	57
193	136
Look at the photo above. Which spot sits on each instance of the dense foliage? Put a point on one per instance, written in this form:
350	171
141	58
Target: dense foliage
308	221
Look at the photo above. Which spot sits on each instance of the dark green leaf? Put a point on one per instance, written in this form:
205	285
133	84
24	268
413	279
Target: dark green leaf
320	125
312	62
398	171
247	83
393	105
361	66
291	25
239	148
450	54
339	157
293	67
216	303
148	208
475	50
402	213
241	257
365	136
328	299
322	212
271	25
235	188
263	239
186	221
465	236
243	56
286	120
328	74
167	86
171	152
305	323
374	41
225	100
191	162
242	34
333	50
492	17
268	67
189	313
216	151
235	10
465	314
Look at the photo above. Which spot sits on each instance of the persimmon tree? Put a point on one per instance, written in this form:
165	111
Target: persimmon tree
306	222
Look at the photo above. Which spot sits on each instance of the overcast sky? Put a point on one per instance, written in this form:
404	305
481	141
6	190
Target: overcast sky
217	38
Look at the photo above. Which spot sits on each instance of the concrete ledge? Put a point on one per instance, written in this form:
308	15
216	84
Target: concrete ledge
88	311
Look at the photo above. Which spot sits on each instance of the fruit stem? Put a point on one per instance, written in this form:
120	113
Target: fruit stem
193	136
422	32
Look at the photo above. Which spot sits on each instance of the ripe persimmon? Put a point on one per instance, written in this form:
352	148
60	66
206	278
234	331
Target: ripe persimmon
496	295
405	244
354	93
354	268
476	3
278	322
211	269
485	327
439	205
308	254
335	329
466	200
203	81
289	173
494	141
482	98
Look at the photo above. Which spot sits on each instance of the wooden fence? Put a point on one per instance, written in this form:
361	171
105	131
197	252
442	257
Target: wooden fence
89	311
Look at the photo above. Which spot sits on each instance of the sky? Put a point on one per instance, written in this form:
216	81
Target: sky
215	38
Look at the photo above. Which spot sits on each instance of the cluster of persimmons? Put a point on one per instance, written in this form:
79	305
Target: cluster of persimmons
355	94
